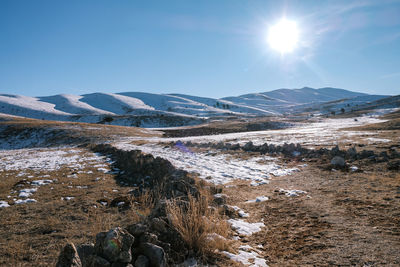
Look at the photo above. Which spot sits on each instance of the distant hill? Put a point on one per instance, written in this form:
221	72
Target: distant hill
159	110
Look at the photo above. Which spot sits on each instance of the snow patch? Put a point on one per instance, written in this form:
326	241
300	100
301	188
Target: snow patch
4	204
247	258
216	167
42	182
292	193
24	201
27	192
245	228
258	199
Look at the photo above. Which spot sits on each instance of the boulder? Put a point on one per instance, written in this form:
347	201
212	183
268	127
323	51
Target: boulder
85	252
114	245
137	229
248	146
155	254
351	153
338	161
121	264
235	147
158	225
230	211
220	199
148	238
335	151
98	261
142	261
366	154
69	257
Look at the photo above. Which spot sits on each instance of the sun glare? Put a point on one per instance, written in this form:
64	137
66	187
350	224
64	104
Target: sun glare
283	36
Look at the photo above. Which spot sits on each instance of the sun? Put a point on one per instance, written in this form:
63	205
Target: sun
283	36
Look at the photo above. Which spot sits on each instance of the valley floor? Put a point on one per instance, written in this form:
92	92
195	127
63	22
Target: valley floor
291	211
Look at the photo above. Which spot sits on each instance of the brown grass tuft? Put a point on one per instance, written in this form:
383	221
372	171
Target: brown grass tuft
200	226
141	207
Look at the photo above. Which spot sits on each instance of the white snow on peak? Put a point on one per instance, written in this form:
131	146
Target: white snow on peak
115	103
22	105
72	104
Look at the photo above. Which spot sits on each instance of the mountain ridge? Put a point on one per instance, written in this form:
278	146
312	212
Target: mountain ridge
95	107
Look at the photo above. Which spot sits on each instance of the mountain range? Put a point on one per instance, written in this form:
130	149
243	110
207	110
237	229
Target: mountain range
159	110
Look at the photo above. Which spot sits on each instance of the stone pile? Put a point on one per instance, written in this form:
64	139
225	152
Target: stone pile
297	151
143	171
118	247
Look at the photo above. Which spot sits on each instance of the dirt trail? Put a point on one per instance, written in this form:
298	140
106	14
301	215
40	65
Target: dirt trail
346	219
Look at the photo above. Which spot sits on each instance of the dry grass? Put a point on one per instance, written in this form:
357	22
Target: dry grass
141	207
33	234
70	132
200	226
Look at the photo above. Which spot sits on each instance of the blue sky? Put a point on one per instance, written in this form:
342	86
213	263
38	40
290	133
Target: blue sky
206	48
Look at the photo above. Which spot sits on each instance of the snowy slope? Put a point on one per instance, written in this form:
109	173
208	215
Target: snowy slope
309	95
284	100
182	104
30	107
72	104
114	103
163	110
224	105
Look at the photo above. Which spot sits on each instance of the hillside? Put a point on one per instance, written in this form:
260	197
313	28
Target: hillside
166	110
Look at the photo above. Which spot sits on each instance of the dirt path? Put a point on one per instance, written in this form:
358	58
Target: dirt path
346	219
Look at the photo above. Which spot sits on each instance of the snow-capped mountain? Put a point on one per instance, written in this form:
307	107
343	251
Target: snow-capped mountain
154	110
286	100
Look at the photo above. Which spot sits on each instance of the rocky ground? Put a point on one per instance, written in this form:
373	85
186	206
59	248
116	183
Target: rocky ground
328	197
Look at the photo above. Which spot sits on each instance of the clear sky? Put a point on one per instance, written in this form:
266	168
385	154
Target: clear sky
206	48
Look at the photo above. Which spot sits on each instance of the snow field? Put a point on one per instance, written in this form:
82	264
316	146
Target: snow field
216	167
51	159
319	132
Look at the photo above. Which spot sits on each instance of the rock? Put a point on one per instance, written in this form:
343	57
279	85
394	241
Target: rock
121	264
100	262
263	149
394	165
69	257
114	245
137	229
230	211
338	161
121	202
288	149
366	154
220	145
148	238
272	148
220	199
142	261
335	151
155	254
235	147
85	252
248	146
351	153
158	225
